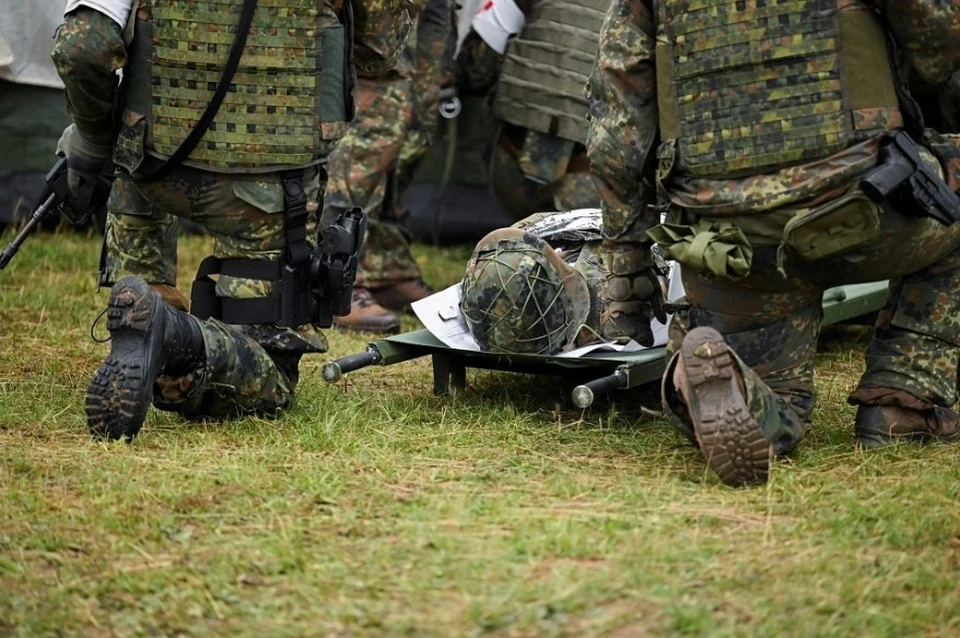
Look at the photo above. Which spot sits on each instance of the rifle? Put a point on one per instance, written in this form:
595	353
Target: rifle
909	184
56	201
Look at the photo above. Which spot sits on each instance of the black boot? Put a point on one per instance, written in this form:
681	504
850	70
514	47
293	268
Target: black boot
881	425
147	337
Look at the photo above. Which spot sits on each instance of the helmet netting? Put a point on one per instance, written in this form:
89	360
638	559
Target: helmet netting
528	310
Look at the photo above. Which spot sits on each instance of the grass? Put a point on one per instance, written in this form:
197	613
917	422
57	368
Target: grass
372	507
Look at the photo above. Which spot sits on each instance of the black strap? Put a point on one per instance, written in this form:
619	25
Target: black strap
233	61
295	217
204	302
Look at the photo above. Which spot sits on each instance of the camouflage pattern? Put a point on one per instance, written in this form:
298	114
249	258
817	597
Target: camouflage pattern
248	368
519	297
535	287
926	30
736	100
396	119
569	188
88	53
916	347
288	103
430	43
478	66
361	172
771	317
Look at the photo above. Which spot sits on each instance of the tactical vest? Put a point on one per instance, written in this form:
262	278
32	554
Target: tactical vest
753	86
546	67
287	104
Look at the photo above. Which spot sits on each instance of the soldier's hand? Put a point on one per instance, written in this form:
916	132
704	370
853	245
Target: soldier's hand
85	161
630	303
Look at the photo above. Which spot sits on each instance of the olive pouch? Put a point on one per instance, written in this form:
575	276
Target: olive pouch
834	228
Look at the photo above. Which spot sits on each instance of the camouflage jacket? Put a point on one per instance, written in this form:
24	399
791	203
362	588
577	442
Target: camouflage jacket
91	47
623	132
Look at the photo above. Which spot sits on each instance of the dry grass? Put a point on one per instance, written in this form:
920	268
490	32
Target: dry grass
373	507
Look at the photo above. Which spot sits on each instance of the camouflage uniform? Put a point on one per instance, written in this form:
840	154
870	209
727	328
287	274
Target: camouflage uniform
532	168
742	276
248	368
397	116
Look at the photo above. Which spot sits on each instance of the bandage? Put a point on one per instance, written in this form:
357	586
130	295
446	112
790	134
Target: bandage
496	21
116	10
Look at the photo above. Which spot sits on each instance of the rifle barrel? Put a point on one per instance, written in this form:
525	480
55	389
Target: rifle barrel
35	220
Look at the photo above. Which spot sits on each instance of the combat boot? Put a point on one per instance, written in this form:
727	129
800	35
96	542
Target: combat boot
147	337
711	386
366	315
399	295
880	425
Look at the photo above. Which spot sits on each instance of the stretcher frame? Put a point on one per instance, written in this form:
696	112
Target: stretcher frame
602	372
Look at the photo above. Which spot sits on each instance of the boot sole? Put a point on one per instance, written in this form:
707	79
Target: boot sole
730	438
119	394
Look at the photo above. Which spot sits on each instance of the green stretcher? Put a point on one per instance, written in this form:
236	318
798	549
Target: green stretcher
601	373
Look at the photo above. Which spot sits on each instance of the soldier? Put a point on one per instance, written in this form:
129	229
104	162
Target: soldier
397	116
536	56
751	125
247	183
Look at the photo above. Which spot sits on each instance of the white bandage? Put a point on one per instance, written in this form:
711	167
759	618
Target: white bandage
496	21
116	10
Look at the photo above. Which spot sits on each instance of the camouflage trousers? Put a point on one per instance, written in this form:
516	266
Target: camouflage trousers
374	163
249	368
570	188
772	322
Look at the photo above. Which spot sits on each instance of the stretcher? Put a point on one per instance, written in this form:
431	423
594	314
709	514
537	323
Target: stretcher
601	372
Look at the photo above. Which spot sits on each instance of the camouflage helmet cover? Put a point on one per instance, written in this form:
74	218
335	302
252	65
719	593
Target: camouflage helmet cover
519	297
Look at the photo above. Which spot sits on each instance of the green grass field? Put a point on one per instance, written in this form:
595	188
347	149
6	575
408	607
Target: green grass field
374	508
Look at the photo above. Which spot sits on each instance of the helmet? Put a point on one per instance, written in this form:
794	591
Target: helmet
519	297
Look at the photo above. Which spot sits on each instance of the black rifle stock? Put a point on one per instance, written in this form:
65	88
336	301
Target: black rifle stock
909	184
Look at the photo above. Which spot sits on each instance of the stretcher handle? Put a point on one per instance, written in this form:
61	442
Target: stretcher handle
584	395
333	371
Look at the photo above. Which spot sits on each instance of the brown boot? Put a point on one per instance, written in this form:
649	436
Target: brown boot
712	389
880	425
399	295
366	315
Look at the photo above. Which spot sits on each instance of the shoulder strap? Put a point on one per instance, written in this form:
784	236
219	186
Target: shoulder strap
233	61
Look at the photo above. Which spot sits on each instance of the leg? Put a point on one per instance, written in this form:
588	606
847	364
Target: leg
201	368
359	175
910	382
141	240
768	343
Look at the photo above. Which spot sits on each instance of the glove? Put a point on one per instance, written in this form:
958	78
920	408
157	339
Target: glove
85	161
630	303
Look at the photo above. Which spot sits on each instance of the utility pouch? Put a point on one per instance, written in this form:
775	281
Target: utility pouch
834	228
718	249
